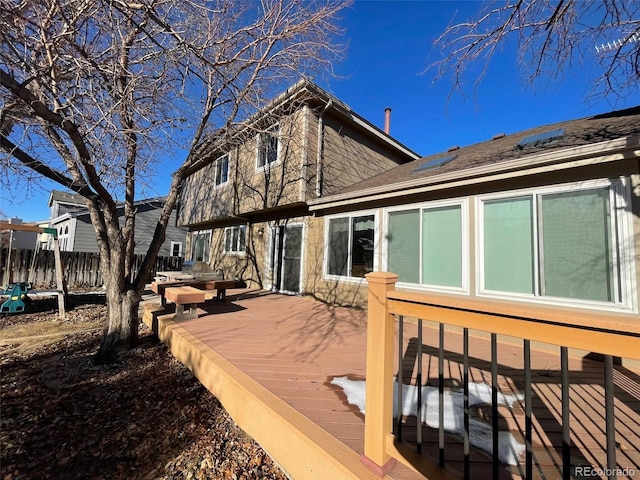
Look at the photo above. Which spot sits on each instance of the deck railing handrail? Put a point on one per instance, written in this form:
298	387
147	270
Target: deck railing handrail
606	333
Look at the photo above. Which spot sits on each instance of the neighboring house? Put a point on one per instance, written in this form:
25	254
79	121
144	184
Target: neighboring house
550	215
17	239
76	233
246	201
65	202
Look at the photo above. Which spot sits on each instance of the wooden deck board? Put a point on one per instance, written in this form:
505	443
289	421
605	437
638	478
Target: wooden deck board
294	347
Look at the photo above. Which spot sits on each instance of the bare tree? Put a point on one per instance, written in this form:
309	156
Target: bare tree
600	38
94	93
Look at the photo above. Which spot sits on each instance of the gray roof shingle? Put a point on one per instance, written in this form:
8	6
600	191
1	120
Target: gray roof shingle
576	133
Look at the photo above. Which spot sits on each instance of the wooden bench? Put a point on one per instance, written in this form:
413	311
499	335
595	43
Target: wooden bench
184	295
220	286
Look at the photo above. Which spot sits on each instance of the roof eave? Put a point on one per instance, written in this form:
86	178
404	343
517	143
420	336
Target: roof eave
307	89
61	218
601	152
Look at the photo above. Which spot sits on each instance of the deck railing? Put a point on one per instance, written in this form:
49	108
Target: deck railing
567	333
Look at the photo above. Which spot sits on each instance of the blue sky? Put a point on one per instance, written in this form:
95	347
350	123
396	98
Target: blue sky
390	46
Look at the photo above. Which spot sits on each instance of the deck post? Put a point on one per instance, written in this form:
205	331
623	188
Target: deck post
379	373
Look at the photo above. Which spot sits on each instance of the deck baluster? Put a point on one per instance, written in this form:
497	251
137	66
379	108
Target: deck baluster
465	386
610	420
441	397
566	428
419	387
400	379
494	405
528	411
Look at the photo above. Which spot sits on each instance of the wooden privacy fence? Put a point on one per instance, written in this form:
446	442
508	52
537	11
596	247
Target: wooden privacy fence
81	269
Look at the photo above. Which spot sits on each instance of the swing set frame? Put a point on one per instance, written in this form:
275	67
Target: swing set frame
60	281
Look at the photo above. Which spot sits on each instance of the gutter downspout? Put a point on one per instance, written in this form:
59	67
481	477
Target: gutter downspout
320	152
305	154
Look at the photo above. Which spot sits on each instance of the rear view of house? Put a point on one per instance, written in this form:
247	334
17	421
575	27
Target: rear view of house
246	201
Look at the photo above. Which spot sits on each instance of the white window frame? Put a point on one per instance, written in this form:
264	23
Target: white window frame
236	250
274	132
173	244
63	237
376	243
216	180
465	244
624	288
207	250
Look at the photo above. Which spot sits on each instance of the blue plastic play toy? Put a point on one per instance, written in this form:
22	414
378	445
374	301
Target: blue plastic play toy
17	295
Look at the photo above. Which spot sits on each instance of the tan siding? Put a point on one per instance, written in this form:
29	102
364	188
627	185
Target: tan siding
248	266
347	156
202	200
311	166
249	189
350	156
279	184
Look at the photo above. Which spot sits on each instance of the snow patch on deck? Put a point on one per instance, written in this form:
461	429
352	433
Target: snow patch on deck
510	449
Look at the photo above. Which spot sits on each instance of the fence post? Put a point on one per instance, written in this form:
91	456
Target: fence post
379	370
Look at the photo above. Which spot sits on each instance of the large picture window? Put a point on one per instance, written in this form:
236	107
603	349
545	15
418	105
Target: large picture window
350	246
235	239
200	243
558	243
426	245
267	147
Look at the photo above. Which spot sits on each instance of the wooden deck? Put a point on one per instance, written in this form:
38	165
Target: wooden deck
290	348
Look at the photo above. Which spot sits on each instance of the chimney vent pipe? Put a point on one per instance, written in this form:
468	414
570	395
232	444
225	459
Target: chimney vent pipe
387	120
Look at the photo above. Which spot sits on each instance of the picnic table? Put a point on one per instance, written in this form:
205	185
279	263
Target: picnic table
173	276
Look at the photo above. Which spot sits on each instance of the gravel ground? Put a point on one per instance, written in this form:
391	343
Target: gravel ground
147	417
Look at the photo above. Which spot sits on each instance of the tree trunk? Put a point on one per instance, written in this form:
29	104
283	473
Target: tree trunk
121	328
123	287
123	299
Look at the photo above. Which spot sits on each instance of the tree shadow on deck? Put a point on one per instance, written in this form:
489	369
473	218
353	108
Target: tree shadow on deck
317	326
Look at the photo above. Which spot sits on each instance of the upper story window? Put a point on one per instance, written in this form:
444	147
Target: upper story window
200	245
350	245
268	143
571	242
428	245
235	239
221	170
